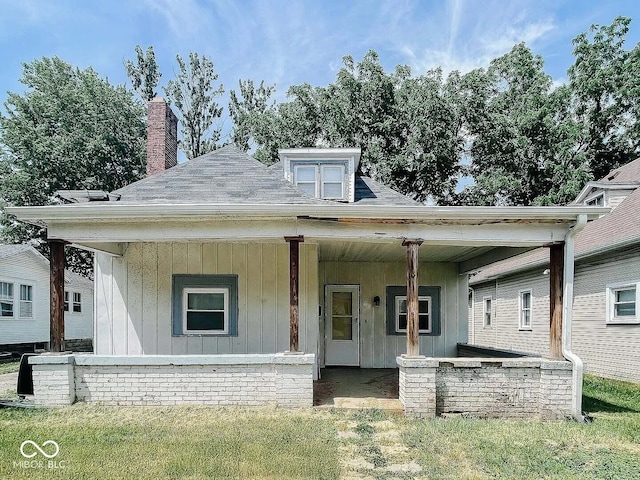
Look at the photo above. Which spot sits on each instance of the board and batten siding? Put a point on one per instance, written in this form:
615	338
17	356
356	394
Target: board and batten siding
609	350
377	349
18	269
134	298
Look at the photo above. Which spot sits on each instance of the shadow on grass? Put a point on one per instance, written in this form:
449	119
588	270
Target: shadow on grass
594	405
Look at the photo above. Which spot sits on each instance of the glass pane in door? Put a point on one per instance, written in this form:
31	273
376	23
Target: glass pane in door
341	328
341	303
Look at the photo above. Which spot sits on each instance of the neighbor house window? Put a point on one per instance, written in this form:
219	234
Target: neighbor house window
622	303
26	301
525	309
205	305
6	299
77	302
597	201
66	301
325	181
424	314
428	310
487	311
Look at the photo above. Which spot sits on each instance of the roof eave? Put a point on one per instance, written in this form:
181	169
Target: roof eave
124	211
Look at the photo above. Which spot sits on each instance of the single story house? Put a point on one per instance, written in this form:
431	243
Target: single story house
224	281
24	302
510	299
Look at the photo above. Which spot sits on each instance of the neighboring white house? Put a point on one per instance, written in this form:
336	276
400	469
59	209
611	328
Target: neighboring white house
510	299
24	301
213	275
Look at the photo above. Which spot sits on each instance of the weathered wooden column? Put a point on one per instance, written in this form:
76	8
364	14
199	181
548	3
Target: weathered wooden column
294	309
56	292
413	326
556	287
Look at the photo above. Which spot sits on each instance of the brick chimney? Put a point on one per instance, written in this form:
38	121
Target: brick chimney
162	137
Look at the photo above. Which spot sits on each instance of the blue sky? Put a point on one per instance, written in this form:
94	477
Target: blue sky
290	42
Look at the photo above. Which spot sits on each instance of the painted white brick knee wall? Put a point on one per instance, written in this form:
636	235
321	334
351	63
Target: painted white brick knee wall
485	388
285	380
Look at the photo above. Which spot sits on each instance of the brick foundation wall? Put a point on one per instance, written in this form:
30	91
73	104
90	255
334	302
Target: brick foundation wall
280	379
486	387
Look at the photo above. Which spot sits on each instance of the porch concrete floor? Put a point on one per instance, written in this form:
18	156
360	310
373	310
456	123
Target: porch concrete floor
352	387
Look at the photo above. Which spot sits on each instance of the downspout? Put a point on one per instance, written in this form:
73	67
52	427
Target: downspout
473	313
567	317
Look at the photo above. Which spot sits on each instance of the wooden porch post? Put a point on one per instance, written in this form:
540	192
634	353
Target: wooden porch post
413	326
556	287
294	309
56	292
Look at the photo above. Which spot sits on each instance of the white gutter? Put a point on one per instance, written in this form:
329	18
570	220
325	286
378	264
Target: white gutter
567	314
122	210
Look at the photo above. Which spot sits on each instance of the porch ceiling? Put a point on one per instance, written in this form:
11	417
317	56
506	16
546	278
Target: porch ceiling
347	251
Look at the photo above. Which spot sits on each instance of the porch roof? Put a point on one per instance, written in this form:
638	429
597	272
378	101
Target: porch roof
343	232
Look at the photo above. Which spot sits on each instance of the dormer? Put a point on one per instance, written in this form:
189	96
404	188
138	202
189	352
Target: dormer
600	194
326	173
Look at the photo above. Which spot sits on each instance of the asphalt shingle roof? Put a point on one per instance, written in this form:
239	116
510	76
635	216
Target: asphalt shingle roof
629	173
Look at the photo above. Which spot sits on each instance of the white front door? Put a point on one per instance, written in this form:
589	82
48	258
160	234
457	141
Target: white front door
342	325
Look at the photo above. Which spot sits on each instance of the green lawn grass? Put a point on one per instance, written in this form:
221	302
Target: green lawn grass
268	443
9	367
178	442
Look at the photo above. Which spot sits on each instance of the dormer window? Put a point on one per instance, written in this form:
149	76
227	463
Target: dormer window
321	181
326	173
597	201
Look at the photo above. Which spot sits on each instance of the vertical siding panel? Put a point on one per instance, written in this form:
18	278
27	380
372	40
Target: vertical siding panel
120	340
194	267
134	299
239	266
367	315
255	297
164	262
179	256
225	254
282	282
150	298
103	299
210	267
312	319
269	298
390	349
322	280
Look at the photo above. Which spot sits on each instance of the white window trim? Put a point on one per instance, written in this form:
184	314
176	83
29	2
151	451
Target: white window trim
484	312
521	310
323	182
595	197
222	290
73	303
65	300
319	181
315	181
13	301
610	318
396	312
20	301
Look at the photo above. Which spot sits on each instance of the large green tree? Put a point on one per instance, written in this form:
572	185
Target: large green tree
70	129
605	85
408	128
194	93
144	73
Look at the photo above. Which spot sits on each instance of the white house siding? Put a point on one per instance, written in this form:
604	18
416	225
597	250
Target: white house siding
505	332
79	325
485	336
25	268
608	350
133	297
377	349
